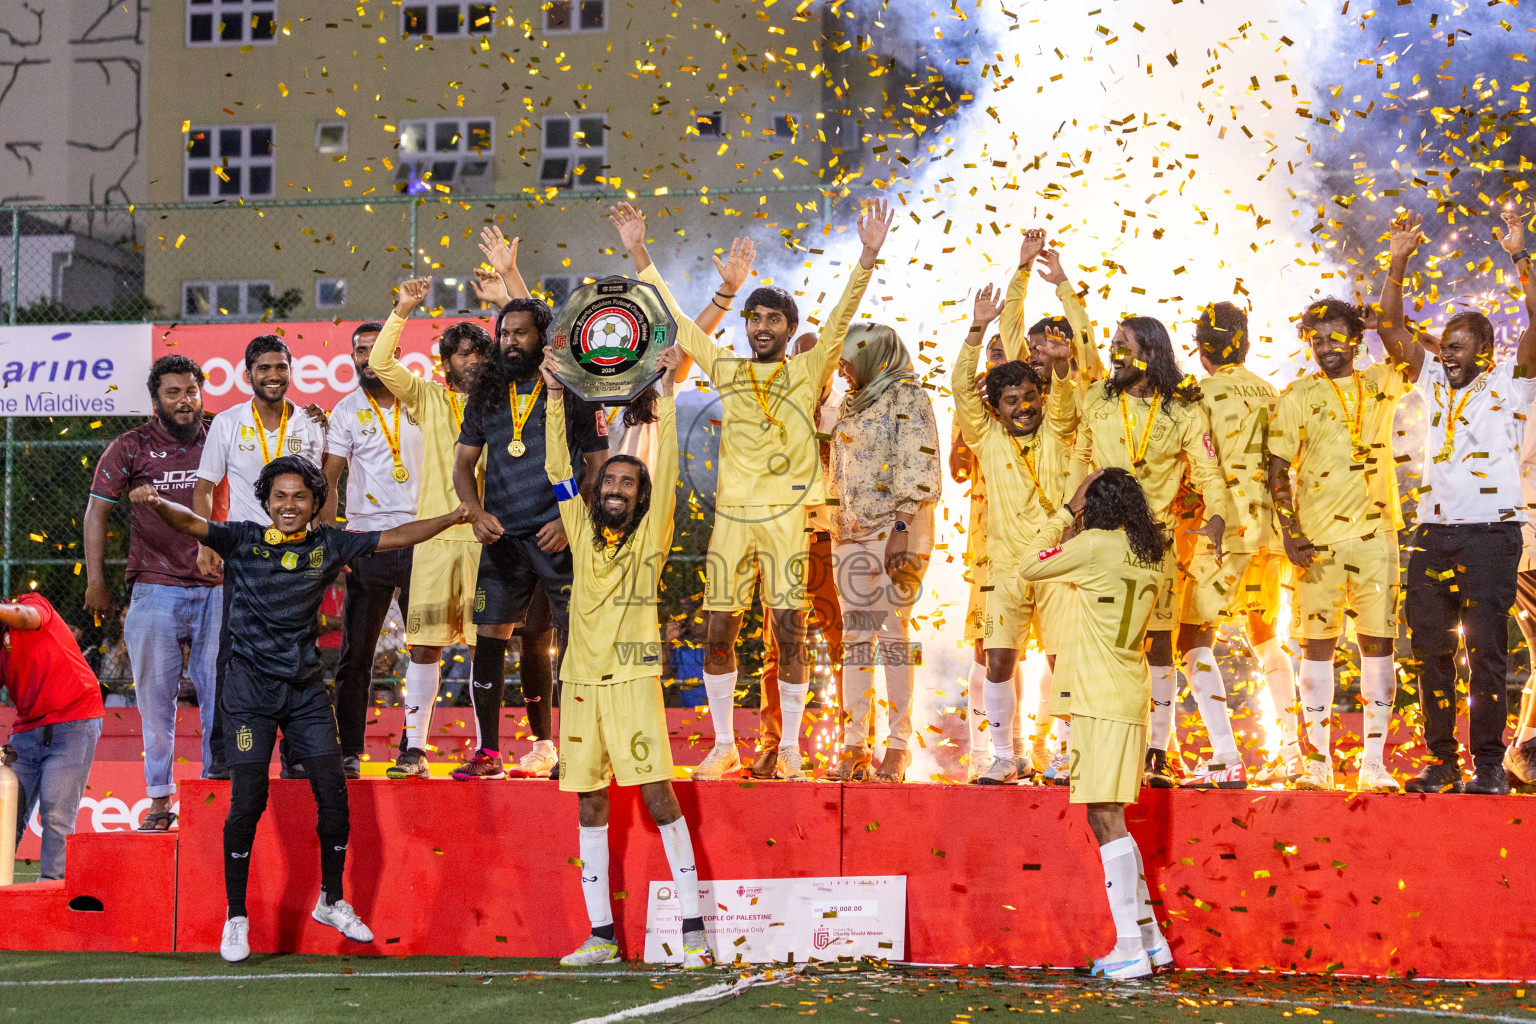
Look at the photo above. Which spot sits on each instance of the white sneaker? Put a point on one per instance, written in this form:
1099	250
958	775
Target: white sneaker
1374	778
1059	771
1001	772
1279	771
1119	968
1316	776
343	918
1158	953
716	764
236	943
538	762
696	952
592	952
791	766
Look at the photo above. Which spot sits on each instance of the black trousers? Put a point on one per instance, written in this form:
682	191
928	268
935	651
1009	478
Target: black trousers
216	740
371	585
1463	575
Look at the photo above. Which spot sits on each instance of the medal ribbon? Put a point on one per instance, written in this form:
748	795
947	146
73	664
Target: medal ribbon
521	413
1356	424
455	410
761	390
1027	458
1457	408
392	440
261	431
1138	452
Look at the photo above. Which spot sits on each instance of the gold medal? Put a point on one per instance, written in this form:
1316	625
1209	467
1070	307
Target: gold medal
1457	408
1137	452
273	535
516	449
520	414
401	474
1445	452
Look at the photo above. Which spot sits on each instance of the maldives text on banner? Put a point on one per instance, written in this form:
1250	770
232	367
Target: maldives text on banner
781	920
322	355
74	369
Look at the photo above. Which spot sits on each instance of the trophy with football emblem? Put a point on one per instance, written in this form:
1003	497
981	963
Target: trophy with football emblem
607	338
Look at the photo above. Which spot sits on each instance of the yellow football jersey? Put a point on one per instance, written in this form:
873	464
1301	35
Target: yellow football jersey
1239	405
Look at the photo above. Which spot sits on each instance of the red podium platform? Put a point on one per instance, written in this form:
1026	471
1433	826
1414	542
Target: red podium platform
1438	886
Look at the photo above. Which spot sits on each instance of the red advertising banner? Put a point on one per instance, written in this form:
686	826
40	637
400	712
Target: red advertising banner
322	355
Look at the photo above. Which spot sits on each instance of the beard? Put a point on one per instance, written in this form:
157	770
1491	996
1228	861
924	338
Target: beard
185	433
500	370
606	520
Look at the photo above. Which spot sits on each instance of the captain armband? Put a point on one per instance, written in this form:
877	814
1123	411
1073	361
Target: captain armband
565	490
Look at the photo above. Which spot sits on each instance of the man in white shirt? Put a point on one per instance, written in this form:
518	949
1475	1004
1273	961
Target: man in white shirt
241	441
1466	553
381	446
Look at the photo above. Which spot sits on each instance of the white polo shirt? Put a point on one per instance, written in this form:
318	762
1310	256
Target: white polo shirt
375	499
1480	481
233	450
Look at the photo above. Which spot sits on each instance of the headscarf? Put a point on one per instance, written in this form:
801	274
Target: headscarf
878	359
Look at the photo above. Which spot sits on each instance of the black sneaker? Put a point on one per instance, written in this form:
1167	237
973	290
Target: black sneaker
1157	774
352	766
1488	782
1436	777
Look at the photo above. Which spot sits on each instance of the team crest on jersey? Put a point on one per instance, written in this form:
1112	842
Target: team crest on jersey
365	416
317	558
247	433
295	445
290	560
244	738
1050	553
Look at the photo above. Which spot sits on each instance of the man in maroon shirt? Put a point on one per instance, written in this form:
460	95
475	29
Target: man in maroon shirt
58	719
170	601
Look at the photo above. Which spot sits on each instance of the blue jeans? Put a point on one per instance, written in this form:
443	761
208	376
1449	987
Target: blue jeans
159	618
52	764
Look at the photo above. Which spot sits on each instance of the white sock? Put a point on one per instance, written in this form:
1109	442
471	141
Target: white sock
1146	913
1018	708
594	875
543	746
1164	680
1119	857
418	693
685	876
792	704
976	713
1000	706
1211	698
1280	674
1317	704
721	688
1378	687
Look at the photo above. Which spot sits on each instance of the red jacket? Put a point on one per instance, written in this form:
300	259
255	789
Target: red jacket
45	672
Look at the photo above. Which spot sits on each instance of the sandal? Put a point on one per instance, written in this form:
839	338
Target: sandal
893	767
854	767
157	821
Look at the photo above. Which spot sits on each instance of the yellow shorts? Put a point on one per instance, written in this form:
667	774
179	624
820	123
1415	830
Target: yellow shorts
1360	575
1010	612
1053	605
1165	613
976	603
613	730
1242	582
1106	761
768	541
442	605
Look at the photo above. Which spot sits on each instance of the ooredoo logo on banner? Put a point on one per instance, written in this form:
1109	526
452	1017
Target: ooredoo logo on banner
74	369
322	356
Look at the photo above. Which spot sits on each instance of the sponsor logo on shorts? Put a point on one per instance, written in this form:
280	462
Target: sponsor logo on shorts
244	738
413	624
479	599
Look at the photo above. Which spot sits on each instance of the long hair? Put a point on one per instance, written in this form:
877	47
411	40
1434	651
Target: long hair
1115	502
298	465
642	503
1162	369
643	408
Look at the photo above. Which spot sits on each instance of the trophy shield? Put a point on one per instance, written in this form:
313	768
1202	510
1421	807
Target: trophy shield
607	338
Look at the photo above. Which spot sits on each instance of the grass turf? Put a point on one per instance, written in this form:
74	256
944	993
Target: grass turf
445	989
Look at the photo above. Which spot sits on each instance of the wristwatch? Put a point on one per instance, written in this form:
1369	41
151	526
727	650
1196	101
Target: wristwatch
1516	257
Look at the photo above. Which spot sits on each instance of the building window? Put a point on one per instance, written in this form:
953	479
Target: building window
576	16
710	125
228	22
331	137
786	126
558	287
230	162
331	293
209	300
453	151
437	19
574	151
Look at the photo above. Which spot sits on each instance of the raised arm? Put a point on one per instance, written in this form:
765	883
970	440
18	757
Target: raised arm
1397	338
1512	238
410	534
1067	562
177	517
970	414
502	256
1011	322
402	383
664	473
1085	353
874	223
1061	399
557	455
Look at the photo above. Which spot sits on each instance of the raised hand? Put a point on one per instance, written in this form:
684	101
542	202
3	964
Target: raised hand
1032	245
874	222
1054	346
1512	238
630	223
1405	236
499	253
547	368
490	288
670	359
987	307
1052	272
737	266
412	294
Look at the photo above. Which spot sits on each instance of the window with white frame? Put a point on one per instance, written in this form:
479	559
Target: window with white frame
786	126
453	151
331	293
209	300
331	137
230	22
710	124
576	16
574	151
558	287
438	18
229	162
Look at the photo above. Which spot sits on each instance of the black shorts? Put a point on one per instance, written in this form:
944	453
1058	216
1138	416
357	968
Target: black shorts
257	705
510	570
